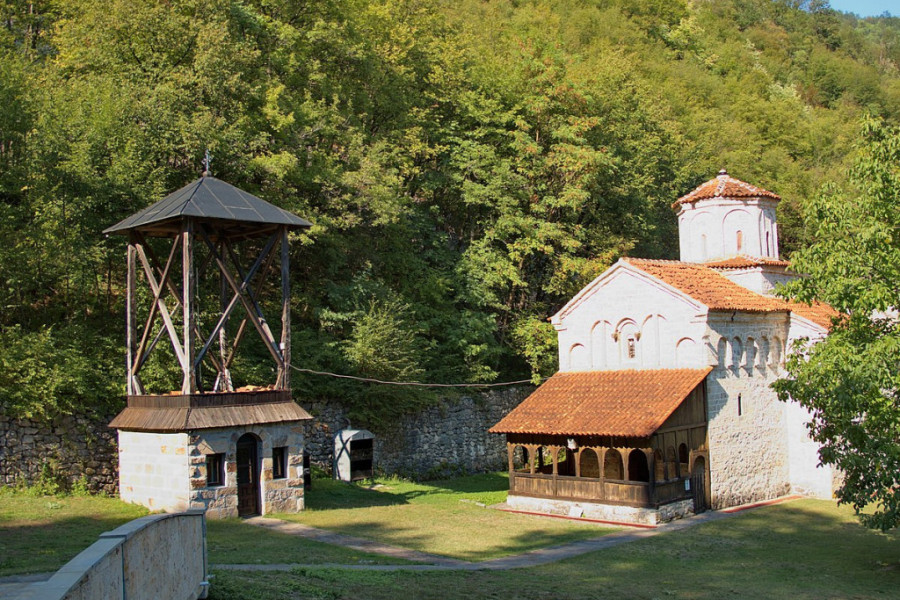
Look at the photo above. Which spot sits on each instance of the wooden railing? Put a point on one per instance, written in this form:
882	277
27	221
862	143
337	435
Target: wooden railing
604	491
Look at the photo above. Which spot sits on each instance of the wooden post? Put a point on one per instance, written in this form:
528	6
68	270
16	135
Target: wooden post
223	381
285	379
130	333
188	384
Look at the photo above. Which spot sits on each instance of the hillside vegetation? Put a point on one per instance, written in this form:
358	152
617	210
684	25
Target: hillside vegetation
468	165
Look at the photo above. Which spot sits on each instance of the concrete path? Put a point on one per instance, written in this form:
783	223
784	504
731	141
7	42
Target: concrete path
354	543
533	558
13	585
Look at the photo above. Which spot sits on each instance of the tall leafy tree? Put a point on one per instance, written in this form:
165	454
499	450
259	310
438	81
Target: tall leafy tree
850	381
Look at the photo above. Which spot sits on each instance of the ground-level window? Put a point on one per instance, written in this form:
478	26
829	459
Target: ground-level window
215	470
279	462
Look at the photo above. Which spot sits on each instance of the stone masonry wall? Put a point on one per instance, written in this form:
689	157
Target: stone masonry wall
447	439
64	450
748	449
277	495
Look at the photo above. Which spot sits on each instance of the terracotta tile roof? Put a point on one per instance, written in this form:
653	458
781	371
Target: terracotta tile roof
819	313
707	286
724	186
620	403
717	292
743	262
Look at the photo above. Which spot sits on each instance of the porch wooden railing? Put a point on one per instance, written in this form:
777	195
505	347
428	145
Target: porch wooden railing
604	491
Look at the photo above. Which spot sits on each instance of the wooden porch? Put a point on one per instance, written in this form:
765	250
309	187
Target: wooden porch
598	490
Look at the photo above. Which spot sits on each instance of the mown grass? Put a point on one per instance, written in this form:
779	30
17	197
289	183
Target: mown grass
440	517
231	541
802	550
41	533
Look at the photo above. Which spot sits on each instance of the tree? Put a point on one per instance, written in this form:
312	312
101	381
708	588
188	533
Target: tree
850	381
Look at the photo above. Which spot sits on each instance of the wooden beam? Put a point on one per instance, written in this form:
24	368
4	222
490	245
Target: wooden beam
130	332
251	296
150	347
151	316
189	383
223	379
284	381
163	309
239	292
242	290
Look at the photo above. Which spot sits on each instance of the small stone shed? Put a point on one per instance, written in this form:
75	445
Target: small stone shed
614	445
208	445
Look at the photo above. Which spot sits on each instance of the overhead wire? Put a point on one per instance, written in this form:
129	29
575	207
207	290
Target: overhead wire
415	383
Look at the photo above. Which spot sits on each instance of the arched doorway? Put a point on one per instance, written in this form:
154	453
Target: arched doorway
248	475
698	485
638	469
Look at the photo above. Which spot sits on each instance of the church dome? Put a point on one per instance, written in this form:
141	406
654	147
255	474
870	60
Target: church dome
724	186
726	218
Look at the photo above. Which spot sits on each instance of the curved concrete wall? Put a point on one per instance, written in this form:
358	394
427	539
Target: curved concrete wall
158	556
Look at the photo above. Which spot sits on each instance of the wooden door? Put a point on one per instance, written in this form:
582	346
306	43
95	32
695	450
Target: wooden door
698	485
247	475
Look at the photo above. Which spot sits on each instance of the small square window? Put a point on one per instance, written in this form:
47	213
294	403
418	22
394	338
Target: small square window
279	462
215	470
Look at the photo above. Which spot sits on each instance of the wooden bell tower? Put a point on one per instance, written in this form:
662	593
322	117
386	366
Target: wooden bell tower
207	217
187	289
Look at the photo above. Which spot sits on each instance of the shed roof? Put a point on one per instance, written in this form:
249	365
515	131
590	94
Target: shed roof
207	198
170	413
626	403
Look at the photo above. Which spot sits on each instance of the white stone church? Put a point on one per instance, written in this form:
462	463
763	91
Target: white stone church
662	404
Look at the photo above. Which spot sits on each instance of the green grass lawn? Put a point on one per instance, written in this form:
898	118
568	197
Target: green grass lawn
231	541
440	517
801	550
42	533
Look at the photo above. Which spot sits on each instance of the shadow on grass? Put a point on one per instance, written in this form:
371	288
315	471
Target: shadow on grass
327	494
804	549
44	547
798	551
232	541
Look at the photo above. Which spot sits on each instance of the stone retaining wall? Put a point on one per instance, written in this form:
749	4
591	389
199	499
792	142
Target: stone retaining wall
446	439
62	451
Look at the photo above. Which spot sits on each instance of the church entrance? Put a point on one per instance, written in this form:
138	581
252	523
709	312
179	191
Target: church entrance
248	475
698	485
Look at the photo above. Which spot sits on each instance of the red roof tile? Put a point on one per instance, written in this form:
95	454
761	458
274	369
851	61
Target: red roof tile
717	292
620	403
707	286
725	186
744	262
819	313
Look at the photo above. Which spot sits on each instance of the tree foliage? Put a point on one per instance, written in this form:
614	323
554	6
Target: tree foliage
850	381
473	163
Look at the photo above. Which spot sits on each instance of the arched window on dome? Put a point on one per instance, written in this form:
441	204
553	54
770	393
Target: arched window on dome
768	244
740	241
703	253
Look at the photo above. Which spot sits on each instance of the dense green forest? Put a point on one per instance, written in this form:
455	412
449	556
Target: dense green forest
468	165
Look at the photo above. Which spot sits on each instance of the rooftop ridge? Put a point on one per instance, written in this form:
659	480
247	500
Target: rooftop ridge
726	187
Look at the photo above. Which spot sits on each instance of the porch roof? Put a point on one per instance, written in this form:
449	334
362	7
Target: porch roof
626	403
